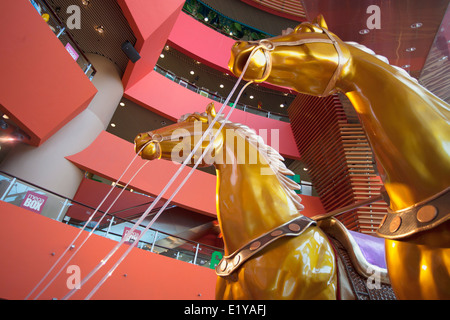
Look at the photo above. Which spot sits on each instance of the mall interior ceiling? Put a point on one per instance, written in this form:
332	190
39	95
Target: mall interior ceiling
414	35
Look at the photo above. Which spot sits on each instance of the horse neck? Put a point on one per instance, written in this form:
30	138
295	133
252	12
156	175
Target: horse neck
250	201
406	125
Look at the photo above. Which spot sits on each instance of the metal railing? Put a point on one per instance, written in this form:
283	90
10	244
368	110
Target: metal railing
214	96
47	203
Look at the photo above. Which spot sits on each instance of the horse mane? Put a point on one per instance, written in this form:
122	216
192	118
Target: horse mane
272	157
380	57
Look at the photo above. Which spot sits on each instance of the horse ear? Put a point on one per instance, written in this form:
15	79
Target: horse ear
210	110
320	21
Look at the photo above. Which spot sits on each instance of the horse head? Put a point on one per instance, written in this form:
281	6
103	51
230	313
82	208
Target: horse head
175	142
308	59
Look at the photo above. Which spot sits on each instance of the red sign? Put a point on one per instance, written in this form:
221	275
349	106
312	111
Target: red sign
34	201
130	238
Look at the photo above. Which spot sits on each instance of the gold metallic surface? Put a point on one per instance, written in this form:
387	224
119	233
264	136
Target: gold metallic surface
395	224
419	266
407	126
252	201
427	213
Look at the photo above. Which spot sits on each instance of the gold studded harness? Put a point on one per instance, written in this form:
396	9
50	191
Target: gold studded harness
292	228
422	216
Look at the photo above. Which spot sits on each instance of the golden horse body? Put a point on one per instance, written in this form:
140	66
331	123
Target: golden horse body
251	201
271	250
409	132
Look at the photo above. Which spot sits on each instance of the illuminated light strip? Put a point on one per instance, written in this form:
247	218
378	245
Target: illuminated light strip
144	215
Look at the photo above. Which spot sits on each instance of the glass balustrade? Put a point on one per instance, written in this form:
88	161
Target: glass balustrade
57	207
221	23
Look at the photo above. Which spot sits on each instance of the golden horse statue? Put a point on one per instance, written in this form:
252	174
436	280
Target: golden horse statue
407	127
272	251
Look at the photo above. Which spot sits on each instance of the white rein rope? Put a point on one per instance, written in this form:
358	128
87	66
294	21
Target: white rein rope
145	214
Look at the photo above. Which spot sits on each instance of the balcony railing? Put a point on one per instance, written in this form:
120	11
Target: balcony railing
214	96
60	30
16	191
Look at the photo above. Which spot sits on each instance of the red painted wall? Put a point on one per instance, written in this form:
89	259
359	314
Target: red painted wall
41	86
151	22
201	42
198	194
205	44
28	241
93	193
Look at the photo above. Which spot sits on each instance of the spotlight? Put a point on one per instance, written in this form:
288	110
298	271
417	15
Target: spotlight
100	29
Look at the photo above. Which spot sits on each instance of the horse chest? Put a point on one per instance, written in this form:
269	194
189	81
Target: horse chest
293	268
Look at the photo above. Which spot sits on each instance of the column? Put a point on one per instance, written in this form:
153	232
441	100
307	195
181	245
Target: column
46	165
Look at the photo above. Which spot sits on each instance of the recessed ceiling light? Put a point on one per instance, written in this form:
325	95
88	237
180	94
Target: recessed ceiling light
161	55
251	97
364	31
85	2
221	85
113	125
416	25
206	19
5	117
305	169
281	105
122	104
166	48
100	29
411	49
192	72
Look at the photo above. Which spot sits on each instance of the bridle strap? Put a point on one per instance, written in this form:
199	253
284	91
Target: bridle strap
268	46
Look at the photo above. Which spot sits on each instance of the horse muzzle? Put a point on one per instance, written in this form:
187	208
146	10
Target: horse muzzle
147	146
258	66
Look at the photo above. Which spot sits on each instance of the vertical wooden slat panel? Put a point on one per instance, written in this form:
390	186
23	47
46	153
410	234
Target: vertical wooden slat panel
339	159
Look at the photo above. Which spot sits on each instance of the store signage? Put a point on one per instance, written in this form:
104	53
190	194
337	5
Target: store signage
130	238
72	51
215	259
34	201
